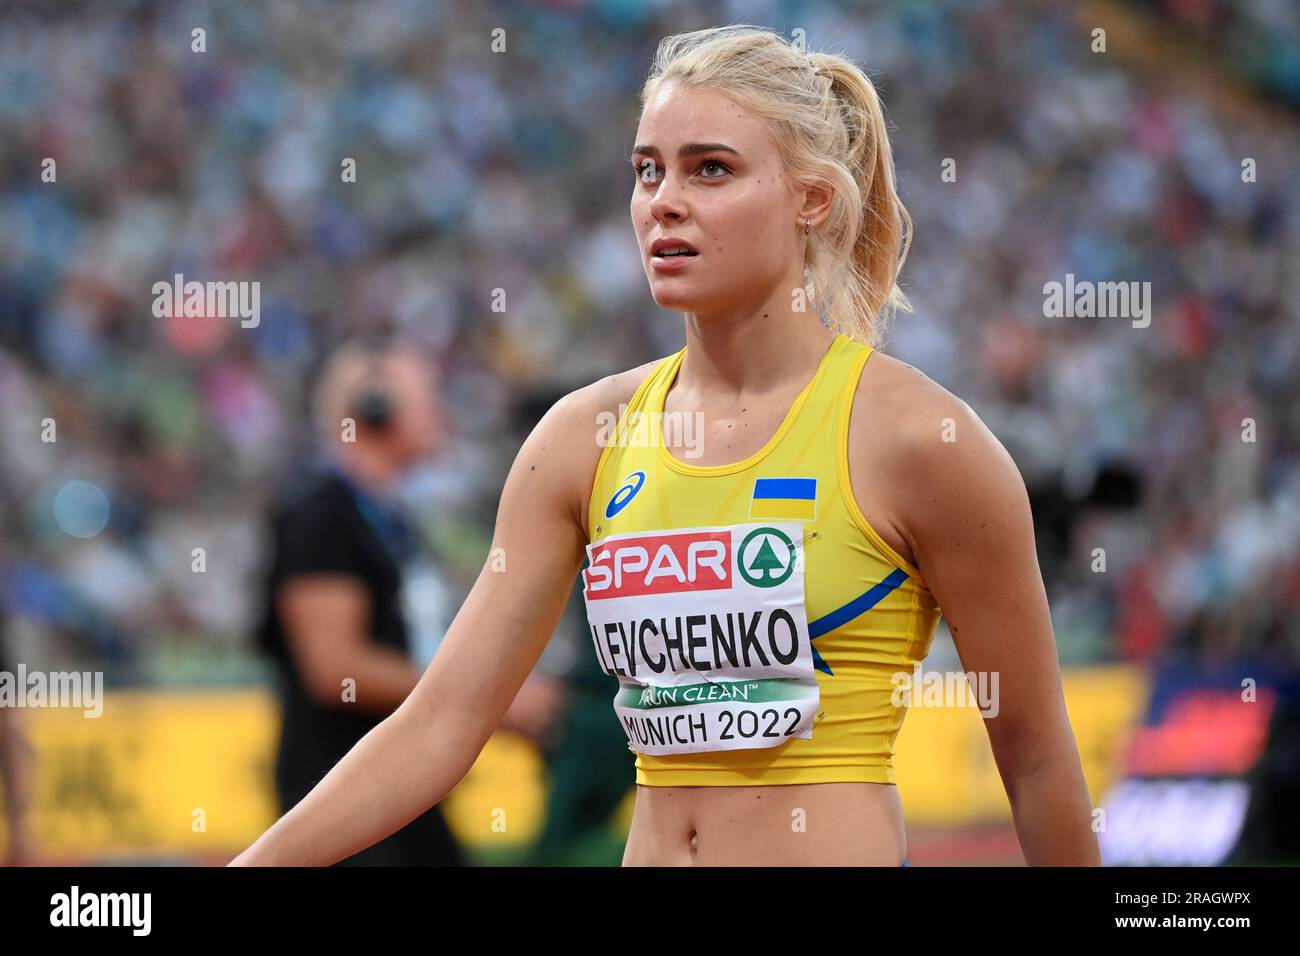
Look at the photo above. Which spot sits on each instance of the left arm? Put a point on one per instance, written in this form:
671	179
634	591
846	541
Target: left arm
968	522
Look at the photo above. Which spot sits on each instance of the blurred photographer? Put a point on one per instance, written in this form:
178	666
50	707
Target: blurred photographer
347	575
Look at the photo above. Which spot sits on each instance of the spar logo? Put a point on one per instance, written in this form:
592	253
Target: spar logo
766	558
680	561
660	564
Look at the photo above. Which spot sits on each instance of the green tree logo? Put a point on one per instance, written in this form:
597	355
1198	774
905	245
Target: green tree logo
766	569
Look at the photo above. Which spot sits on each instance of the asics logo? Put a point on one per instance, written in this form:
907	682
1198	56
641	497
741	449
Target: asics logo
626	492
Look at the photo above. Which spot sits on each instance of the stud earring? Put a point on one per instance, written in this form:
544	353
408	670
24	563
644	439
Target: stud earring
807	227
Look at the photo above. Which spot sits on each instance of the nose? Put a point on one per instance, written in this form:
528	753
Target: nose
668	205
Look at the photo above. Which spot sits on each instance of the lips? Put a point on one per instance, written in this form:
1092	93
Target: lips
672	249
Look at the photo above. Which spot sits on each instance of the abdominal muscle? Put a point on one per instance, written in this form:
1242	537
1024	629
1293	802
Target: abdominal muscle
820	824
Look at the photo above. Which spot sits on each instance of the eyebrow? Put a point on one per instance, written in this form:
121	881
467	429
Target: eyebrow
688	149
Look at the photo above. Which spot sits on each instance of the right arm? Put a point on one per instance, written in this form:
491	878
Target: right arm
417	755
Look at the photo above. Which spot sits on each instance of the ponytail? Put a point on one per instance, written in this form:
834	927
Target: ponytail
860	272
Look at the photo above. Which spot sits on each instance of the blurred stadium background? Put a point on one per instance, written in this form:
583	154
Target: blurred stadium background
480	170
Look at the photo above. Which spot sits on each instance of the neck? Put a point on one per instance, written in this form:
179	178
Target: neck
753	349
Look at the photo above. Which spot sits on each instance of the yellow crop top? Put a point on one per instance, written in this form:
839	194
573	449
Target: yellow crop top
752	616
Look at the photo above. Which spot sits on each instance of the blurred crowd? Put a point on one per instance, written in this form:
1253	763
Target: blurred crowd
1163	462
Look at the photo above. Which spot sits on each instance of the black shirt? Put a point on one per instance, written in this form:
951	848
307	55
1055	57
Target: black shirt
331	526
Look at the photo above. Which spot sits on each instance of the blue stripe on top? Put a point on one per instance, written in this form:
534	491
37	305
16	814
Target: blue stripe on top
860	604
843	614
804	489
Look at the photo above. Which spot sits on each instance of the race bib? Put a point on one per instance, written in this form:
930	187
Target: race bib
706	631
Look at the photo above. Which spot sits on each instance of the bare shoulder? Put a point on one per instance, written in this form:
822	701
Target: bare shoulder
580	413
608	393
914	425
900	404
919	454
576	423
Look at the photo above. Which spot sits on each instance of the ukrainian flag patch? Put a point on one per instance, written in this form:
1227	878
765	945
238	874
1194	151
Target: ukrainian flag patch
784	498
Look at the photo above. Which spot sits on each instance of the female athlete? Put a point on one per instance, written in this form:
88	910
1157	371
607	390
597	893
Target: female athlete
772	524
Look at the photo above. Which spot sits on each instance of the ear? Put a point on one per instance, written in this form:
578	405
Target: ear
817	203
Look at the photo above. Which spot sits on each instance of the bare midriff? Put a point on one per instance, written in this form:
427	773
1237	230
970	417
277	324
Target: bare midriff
819	824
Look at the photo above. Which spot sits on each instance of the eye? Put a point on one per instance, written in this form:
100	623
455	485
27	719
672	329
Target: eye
646	169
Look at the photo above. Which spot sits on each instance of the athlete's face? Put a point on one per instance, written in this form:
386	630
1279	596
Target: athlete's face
708	172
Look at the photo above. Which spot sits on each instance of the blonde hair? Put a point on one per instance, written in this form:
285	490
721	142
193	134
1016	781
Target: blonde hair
829	125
